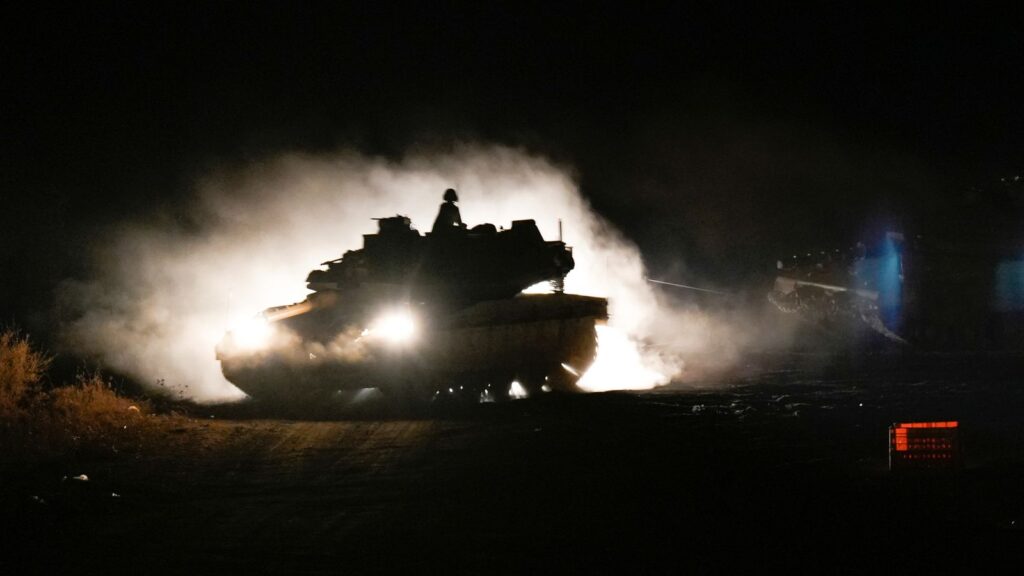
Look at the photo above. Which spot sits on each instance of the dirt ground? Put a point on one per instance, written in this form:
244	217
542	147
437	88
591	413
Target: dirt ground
774	467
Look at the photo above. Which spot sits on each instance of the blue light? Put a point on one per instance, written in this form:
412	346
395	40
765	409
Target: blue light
890	284
1009	286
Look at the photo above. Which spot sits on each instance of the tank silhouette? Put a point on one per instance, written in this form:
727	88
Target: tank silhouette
418	315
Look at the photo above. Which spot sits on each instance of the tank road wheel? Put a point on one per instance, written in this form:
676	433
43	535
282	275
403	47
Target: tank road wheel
533	382
452	392
408	395
482	387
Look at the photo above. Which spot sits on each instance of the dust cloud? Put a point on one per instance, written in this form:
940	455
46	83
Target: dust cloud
164	292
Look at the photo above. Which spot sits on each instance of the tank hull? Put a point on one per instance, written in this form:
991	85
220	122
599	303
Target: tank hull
541	341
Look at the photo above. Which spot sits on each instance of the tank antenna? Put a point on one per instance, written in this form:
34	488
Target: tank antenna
559	229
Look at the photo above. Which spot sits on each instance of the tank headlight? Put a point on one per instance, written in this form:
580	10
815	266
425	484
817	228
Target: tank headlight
397	326
252	333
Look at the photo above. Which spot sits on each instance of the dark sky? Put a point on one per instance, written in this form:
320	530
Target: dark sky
725	135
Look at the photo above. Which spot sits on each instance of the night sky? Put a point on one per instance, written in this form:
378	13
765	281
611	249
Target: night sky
724	136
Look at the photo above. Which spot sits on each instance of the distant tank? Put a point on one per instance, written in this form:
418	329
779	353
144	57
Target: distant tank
951	277
418	315
845	291
931	293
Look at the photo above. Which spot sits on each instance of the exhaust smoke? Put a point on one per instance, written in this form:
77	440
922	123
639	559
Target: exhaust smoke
163	295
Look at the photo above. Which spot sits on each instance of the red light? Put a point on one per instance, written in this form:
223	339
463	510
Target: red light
924	444
901	439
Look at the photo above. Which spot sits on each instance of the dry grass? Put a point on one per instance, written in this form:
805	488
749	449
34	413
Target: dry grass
21	372
87	416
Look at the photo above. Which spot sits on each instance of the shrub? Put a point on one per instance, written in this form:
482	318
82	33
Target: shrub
21	372
91	413
88	415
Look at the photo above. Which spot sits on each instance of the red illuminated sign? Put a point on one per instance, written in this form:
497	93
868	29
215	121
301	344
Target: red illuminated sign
924	445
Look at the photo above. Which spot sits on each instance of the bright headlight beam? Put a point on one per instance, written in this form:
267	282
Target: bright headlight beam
397	327
252	333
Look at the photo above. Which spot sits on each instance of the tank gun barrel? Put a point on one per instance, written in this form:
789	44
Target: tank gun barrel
688	287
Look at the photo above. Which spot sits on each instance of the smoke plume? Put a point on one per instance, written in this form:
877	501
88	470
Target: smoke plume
164	293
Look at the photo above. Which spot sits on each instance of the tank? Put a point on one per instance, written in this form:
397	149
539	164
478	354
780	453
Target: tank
846	291
417	315
929	292
948	277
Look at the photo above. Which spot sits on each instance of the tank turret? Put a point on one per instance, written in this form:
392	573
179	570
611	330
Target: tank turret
461	265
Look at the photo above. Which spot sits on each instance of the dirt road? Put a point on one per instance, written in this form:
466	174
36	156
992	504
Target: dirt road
784	470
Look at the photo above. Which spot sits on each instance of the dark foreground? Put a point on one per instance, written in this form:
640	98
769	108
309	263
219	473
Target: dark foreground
775	468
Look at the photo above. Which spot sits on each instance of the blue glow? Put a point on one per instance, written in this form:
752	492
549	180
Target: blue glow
890	284
1009	286
883	272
